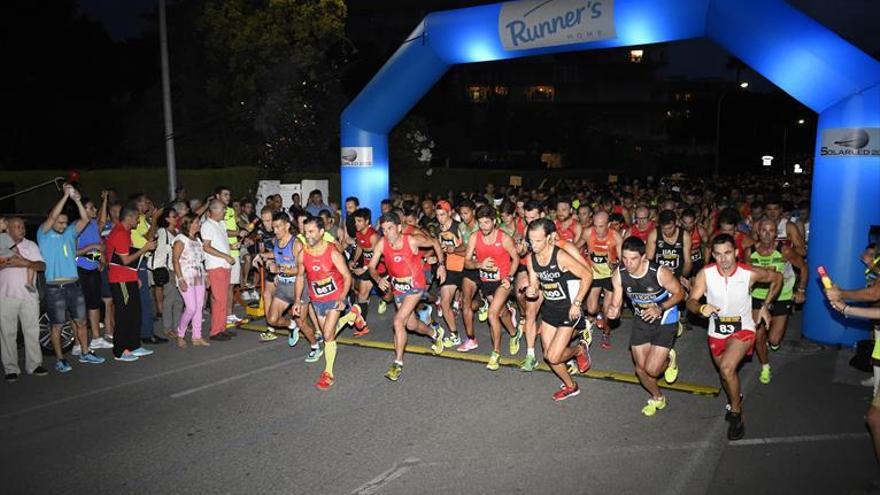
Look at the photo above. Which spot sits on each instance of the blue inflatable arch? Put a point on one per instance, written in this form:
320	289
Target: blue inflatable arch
812	64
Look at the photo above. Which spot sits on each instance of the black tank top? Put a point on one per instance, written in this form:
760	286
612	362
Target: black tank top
668	254
558	287
645	291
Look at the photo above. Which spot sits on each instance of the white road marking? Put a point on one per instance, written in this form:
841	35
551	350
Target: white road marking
129	383
799	439
189	391
379	482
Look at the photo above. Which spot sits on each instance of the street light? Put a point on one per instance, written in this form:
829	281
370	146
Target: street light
801	121
742	85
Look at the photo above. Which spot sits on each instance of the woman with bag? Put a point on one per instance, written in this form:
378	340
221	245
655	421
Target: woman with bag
163	273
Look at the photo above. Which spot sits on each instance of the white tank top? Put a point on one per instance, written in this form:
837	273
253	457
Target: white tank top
732	295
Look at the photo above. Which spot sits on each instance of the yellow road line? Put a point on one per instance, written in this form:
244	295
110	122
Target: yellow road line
614	376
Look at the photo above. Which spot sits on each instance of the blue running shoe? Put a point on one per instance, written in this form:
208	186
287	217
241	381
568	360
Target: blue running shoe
126	357
141	352
62	366
90	358
314	355
293	334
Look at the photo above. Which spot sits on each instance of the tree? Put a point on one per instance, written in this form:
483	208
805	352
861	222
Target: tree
278	65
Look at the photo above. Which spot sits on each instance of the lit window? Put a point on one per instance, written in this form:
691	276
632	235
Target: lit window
635	56
688	97
541	93
477	94
501	90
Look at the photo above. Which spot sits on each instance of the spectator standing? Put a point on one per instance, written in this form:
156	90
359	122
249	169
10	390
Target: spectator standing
218	263
144	231
164	274
190	277
316	203
88	263
20	305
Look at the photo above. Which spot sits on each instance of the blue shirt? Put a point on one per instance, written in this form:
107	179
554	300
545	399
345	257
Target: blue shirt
59	252
89	235
314	210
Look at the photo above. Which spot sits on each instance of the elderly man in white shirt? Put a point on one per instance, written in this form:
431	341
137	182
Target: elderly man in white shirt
218	263
19	304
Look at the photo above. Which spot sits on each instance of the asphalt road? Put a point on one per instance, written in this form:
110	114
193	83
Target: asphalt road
244	417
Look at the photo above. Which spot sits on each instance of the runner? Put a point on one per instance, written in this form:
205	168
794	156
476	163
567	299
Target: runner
406	280
642	225
726	285
454	249
772	255
728	219
329	281
669	247
263	259
286	250
466	228
602	249
567	227
787	232
691	226
366	238
493	253
563	283
655	293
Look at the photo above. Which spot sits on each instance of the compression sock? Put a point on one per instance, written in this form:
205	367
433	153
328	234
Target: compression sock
329	356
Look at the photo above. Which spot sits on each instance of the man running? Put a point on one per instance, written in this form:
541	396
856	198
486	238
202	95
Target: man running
286	249
366	238
406	280
643	225
567	227
466	228
669	247
563	283
602	249
726	285
770	254
453	249
325	270
787	232
654	291
495	254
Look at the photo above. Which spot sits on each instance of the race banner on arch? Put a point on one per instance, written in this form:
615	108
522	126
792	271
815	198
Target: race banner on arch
528	24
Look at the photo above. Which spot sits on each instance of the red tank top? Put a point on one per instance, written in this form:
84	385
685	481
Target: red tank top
642	234
364	241
696	238
424	253
404	266
325	281
496	251
566	233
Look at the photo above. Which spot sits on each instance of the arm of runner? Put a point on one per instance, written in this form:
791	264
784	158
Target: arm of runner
797	240
339	263
469	261
567	263
698	290
688	264
800	264
583	239
669	282
760	275
298	285
573	251
616	296
651	245
374	264
510	246
533	287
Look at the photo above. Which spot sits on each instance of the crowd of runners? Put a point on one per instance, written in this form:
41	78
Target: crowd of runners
559	263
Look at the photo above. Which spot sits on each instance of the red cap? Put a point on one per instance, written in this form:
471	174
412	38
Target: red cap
444	205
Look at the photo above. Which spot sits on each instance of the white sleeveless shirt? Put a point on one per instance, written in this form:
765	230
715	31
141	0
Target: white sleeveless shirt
733	297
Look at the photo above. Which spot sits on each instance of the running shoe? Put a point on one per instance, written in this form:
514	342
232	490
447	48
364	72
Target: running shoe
40	371
513	347
584	362
62	366
141	352
483	313
76	351
347	319
493	364
292	337
772	347
268	336
529	364
100	343
606	341
91	358
572	367
453	340
566	392
439	332
727	411
325	381
394	372
737	429
867	382
383	306
468	345
438	309
234	318
127	357
425	313
679	330
319	336
314	355
653	406
765	375
11	377
360	332
671	373
587	334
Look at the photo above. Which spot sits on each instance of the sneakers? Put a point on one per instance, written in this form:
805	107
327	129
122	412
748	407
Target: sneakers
425	313
737	429
766	375
572	366
100	343
439	332
529	364
383	306
394	372
141	352
513	347
76	351
11	377
671	373
483	313
220	337
451	340
325	381
584	362
566	392
40	371
867	382
360	332
606	341
493	364
233	319
127	357
772	347
62	366
727	411
91	358
292	334
468	345
653	406
268	336
314	355
319	336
